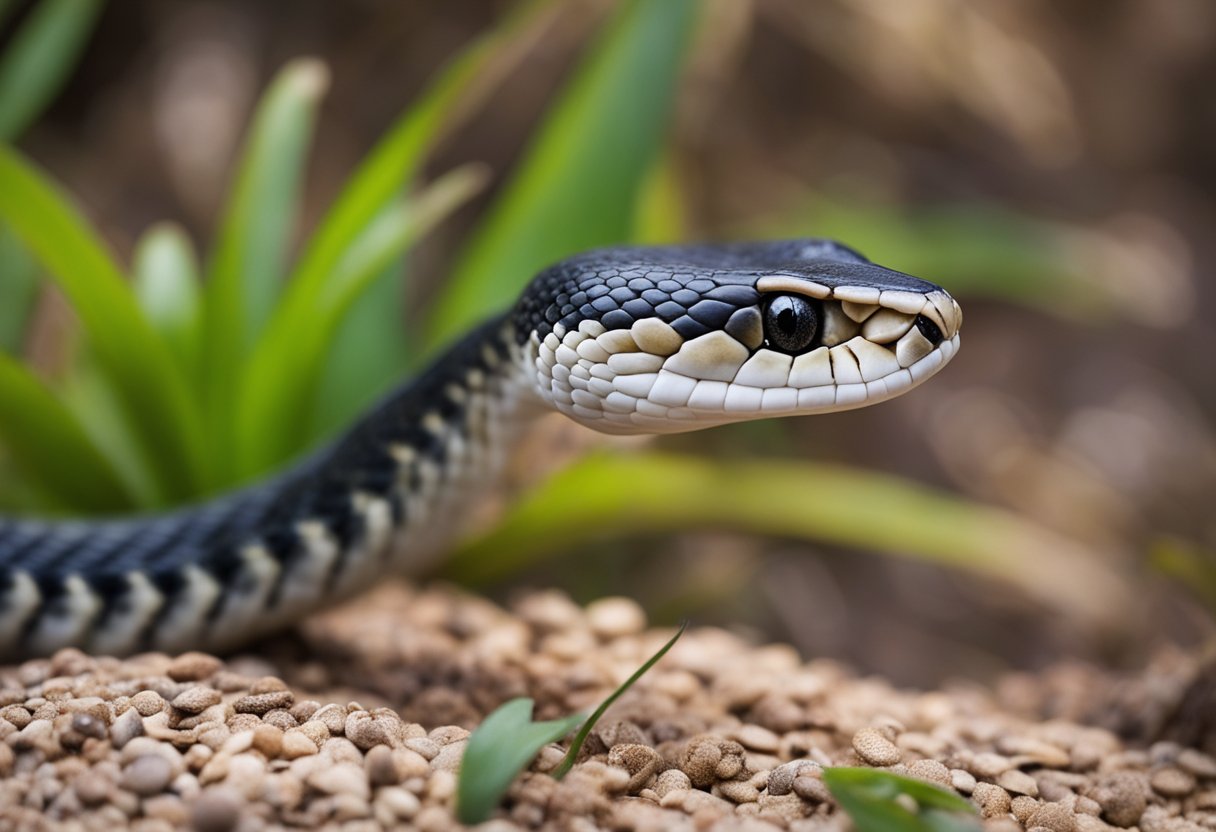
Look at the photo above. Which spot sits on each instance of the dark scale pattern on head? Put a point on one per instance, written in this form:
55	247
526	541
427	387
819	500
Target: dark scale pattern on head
696	289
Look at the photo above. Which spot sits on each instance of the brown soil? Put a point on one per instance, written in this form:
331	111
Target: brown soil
360	721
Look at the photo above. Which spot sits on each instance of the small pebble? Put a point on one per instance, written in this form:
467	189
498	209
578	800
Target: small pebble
875	748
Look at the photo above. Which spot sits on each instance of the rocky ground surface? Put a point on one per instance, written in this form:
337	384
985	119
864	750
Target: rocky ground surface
360	722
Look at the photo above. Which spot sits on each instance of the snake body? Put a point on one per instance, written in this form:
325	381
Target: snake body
623	340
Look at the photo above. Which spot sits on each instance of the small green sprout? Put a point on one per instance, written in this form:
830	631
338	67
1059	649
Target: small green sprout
872	798
507	740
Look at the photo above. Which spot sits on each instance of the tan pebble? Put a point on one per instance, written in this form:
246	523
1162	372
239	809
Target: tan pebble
148	702
238	742
1086	806
400	803
215	736
193	667
7	758
333	717
260	703
316	731
167	808
758	738
615	617
342	750
449	757
1018	782
1022	807
785	808
238	723
217	810
410	764
297	744
92	788
1052	816
196	756
737	791
874	748
987	764
699	801
441	785
640	761
1033	750
781	779
380	767
196	699
425	746
246	772
281	719
366	729
1091	823
811	788
932	771
147	775
1197	763
962	780
680	685
268	741
304	709
672	780
993	801
17	715
126	728
1172	782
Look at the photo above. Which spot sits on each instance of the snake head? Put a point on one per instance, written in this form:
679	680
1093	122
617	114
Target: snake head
671	339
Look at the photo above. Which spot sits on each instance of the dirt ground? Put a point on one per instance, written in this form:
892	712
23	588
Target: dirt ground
360	720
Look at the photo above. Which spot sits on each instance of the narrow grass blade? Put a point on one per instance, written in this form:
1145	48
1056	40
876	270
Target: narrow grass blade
136	361
609	495
576	745
167	285
870	797
498	750
18	290
248	262
53	453
284	372
34	65
578	185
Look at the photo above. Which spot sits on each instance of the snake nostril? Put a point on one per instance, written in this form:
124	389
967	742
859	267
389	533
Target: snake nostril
930	330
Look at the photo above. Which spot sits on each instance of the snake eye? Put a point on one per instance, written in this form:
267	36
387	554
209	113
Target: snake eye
930	330
791	322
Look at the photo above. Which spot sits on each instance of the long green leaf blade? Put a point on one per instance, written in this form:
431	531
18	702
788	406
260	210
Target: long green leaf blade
136	361
607	495
36	63
498	750
249	259
284	372
18	290
47	444
578	184
167	285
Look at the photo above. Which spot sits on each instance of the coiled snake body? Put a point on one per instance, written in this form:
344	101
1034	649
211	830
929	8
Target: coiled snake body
624	340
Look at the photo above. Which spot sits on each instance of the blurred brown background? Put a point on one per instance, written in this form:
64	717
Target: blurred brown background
1094	122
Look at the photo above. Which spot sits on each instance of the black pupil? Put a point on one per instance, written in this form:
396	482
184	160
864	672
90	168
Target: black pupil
791	323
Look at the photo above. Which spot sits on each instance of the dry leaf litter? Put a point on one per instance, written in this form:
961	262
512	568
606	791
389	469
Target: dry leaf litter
360	723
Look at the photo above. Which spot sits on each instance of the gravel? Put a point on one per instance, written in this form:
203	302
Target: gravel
361	720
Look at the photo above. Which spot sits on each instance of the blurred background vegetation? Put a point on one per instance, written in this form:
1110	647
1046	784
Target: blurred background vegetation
225	229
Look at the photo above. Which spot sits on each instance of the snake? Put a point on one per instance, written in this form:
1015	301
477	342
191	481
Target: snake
622	340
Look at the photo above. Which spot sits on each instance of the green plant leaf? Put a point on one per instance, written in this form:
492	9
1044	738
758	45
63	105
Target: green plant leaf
18	290
46	443
135	360
37	61
578	184
608	495
284	372
576	745
498	750
167	284
249	259
869	796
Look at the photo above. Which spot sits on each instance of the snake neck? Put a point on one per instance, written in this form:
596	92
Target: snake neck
387	496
